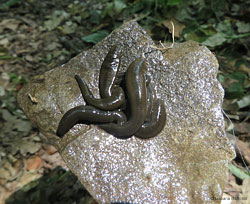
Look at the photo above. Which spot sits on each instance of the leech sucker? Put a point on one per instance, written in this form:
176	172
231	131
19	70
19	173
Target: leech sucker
81	114
136	90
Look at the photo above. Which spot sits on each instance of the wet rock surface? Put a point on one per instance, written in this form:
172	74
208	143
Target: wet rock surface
186	163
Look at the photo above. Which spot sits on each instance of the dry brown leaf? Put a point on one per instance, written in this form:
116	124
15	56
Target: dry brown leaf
53	160
4	42
33	163
230	105
27	177
4	79
245	150
30	58
4	174
9	171
52	46
11	24
242	128
35	45
50	149
28	21
26	147
4	194
244	68
24	50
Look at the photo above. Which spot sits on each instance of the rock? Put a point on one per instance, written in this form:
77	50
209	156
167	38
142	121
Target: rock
186	163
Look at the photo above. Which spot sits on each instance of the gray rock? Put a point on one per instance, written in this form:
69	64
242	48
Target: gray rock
186	163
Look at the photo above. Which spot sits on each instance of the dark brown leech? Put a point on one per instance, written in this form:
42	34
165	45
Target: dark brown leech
81	114
112	96
156	123
136	89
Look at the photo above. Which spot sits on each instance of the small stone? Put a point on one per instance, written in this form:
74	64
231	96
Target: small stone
186	163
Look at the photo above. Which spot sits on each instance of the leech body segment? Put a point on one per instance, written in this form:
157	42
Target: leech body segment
147	114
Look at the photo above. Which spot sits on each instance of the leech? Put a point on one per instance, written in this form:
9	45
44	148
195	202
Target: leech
81	114
112	96
136	88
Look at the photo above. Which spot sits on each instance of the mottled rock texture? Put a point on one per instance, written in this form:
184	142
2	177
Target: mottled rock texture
186	163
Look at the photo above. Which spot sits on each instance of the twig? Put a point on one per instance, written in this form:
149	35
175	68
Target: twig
163	47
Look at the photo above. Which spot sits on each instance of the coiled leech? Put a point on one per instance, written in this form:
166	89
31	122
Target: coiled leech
140	124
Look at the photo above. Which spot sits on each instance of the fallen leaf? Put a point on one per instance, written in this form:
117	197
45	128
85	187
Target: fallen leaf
22	125
27	177
4	79
52	161
2	91
4	42
242	128
11	24
244	149
239	173
243	27
55	19
33	163
26	146
7	116
4	173
244	102
30	58
52	46
35	45
10	171
50	149
95	37
69	27
28	21
215	40
244	68
5	193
